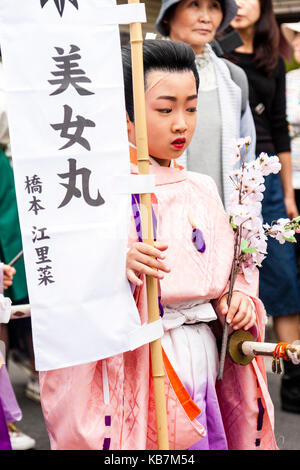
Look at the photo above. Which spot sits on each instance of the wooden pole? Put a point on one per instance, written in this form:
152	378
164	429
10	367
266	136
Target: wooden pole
20	311
242	348
250	348
16	258
136	41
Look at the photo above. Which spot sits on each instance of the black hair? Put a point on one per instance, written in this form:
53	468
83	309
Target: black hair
266	39
158	54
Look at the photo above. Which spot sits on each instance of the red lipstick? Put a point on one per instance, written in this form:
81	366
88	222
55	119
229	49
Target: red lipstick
179	143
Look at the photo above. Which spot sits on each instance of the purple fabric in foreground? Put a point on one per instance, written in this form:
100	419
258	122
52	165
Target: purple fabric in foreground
210	418
8	400
260	419
198	240
261	412
135	200
106	443
4	436
154	221
161	309
5	394
136	215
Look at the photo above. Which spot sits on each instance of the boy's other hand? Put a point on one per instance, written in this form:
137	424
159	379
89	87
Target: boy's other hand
145	259
240	314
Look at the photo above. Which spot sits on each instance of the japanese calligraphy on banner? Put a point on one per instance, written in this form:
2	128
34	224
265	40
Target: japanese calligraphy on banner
64	82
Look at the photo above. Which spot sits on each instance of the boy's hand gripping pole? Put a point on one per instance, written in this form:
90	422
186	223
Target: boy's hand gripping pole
136	41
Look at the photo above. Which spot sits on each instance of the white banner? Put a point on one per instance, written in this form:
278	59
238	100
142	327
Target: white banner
66	110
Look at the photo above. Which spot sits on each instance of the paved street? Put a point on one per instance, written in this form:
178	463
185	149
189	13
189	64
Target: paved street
287	425
32	422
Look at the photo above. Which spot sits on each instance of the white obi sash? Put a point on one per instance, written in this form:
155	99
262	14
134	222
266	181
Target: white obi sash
188	313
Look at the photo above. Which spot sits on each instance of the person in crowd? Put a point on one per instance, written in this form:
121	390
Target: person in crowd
110	402
17	335
265	69
291	32
223	91
11	437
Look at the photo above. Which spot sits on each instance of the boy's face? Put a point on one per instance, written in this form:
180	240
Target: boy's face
171	113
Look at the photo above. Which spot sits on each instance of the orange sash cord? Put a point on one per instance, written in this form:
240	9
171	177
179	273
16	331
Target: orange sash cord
280	351
189	406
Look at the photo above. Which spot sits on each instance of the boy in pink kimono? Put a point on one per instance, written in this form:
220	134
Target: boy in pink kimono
109	404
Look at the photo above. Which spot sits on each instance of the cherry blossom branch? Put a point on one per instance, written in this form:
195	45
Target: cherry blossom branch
251	235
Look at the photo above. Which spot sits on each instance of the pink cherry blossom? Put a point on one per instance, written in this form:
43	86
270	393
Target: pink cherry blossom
267	165
245	211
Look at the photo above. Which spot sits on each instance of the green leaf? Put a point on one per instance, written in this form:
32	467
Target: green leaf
290	239
250	250
244	245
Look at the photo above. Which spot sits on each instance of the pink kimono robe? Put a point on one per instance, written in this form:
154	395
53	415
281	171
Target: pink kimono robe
109	404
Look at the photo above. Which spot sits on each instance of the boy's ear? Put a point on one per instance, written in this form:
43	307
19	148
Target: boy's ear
130	129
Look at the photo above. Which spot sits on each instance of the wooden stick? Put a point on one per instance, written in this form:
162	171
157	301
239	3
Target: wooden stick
226	326
136	40
15	259
250	348
20	311
242	348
